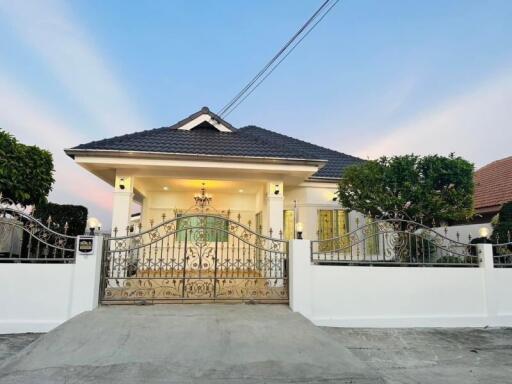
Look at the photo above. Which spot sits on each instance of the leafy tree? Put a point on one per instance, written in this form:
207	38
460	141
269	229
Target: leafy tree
502	230
26	172
430	188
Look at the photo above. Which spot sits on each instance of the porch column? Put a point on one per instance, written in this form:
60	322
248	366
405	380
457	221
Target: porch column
275	206
122	204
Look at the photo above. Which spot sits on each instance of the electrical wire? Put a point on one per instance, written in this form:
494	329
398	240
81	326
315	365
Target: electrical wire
233	103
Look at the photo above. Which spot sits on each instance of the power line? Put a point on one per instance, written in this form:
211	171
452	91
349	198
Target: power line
276	56
279	62
233	103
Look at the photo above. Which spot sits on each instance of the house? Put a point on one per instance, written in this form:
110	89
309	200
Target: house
493	188
265	179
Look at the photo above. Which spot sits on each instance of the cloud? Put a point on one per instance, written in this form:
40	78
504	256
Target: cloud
50	29
475	125
32	122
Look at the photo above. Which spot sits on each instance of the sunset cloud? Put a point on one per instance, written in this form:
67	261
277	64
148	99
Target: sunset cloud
475	125
53	32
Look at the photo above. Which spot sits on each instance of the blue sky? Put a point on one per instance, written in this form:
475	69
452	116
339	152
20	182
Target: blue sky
374	78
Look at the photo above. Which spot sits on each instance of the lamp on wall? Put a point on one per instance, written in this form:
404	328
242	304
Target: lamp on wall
299	228
276	189
121	183
334	197
93	224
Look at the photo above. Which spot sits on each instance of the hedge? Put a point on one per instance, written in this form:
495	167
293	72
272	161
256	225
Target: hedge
74	215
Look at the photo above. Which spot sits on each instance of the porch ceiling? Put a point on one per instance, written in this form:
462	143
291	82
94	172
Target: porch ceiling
291	173
162	184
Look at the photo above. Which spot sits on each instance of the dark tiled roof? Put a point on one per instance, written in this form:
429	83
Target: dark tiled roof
204	139
493	185
337	161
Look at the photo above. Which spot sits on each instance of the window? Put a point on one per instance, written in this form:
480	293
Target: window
372	237
195	223
288	224
333	224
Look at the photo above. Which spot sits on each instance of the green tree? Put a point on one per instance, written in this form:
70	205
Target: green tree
430	188
26	172
502	230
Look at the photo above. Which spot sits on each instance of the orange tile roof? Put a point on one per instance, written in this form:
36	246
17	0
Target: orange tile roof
493	185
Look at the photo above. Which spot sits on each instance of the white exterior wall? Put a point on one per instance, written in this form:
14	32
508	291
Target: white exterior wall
157	203
464	231
311	197
39	297
360	296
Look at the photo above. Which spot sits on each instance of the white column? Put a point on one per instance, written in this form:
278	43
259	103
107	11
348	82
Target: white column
300	277
86	277
122	203
491	292
275	207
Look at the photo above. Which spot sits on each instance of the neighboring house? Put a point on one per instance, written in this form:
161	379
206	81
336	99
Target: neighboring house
493	188
263	177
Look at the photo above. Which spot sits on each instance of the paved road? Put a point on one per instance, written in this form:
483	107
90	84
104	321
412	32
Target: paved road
251	344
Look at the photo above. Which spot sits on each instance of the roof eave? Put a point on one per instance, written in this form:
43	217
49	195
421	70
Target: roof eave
72	152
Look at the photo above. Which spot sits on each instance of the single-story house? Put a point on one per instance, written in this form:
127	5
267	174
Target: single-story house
202	162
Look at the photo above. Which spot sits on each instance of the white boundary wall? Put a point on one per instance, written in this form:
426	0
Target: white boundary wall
353	296
39	297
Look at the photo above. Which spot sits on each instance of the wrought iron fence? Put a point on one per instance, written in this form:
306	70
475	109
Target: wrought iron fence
198	257
502	255
394	242
23	238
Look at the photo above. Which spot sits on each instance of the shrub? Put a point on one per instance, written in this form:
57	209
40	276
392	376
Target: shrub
502	229
74	215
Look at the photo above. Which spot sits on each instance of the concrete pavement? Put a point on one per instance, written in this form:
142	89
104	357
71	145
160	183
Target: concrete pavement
251	344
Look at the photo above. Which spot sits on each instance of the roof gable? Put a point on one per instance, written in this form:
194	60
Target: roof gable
202	118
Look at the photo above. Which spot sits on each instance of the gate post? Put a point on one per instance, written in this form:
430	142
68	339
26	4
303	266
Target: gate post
486	261
87	274
300	284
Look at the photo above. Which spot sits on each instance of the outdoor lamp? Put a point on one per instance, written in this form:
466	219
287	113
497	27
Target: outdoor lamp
276	189
299	227
93	223
484	232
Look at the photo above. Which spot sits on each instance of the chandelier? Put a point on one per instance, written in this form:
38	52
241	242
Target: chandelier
203	199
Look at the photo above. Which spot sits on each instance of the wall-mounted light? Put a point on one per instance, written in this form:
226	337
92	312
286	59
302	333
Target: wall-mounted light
299	228
93	224
121	183
241	190
165	188
276	189
334	197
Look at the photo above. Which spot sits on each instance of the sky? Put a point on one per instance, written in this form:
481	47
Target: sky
374	78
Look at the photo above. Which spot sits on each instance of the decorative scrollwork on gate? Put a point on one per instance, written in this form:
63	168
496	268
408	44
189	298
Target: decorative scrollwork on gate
394	241
23	238
195	257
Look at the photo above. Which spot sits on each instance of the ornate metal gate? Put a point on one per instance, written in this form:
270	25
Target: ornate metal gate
199	257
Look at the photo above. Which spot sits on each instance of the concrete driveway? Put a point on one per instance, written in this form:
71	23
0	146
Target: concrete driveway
251	344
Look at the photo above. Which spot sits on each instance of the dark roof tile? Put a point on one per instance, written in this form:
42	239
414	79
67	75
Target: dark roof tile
250	141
